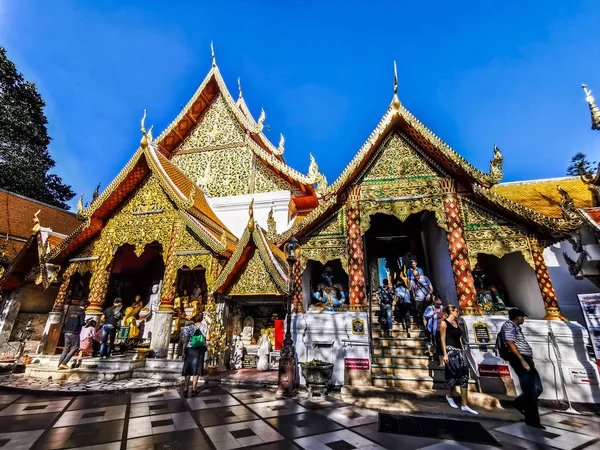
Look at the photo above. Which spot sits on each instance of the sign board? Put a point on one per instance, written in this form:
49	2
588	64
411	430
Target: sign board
357	364
583	376
358	326
494	370
590	306
482	333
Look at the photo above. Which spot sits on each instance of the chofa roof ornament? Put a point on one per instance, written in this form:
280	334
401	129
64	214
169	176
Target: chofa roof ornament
496	173
395	101
317	177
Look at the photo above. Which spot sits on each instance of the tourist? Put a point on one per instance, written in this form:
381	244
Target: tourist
112	318
434	315
386	300
517	351
86	342
422	289
412	268
195	340
71	330
455	359
403	305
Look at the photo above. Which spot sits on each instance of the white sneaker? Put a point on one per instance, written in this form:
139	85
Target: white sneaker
469	410
451	402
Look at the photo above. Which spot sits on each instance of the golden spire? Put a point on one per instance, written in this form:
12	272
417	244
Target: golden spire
240	89
36	223
144	141
80	204
395	101
212	54
251	214
593	108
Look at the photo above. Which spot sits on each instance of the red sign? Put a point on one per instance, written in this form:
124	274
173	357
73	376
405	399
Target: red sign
494	371
356	363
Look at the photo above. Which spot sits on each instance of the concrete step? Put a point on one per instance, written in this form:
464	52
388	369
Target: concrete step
402	341
396	399
162	363
414	383
406	360
397	350
405	371
398	334
397	327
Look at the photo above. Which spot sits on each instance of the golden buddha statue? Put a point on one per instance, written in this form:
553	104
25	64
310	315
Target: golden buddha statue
130	321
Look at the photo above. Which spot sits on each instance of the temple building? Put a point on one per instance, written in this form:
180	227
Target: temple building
198	218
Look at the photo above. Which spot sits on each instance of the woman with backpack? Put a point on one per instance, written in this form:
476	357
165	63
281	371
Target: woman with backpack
195	339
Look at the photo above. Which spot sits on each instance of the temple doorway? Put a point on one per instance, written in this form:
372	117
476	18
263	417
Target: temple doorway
391	244
132	275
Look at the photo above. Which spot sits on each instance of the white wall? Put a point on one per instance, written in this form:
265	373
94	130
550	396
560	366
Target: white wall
565	285
438	257
233	211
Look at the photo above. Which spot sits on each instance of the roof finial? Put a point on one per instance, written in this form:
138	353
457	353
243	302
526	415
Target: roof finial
496	166
212	54
281	146
251	214
80	204
144	141
593	108
239	88
262	117
395	100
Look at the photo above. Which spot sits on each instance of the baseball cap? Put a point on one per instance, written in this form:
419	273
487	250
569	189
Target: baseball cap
516	312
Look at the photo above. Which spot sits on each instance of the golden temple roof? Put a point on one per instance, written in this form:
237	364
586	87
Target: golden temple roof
543	196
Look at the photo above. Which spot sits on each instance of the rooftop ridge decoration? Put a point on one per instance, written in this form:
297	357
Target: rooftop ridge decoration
568	208
317	177
396	110
555	225
317	213
496	166
594	112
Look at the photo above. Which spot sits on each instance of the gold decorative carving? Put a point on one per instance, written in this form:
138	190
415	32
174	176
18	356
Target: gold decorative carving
230	170
317	177
218	127
324	255
255	280
402	210
271	225
496	173
396	158
265	180
487	232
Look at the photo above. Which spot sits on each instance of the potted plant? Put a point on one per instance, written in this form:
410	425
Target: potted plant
317	374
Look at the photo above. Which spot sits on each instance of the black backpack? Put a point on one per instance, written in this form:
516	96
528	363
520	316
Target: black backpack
502	348
386	296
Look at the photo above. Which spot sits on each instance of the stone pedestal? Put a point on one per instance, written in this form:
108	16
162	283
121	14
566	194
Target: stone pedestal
161	333
51	333
8	315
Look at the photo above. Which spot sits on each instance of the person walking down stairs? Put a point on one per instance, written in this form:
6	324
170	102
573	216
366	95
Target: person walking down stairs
455	359
386	300
403	306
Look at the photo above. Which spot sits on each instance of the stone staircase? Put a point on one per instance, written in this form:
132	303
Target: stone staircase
400	361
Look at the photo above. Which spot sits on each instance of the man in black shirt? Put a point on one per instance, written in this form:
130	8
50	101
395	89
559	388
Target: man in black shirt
71	330
112	318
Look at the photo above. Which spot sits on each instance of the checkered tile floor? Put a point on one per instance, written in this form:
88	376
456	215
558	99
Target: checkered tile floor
222	418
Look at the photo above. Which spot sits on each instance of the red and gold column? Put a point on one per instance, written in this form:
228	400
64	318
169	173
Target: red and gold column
297	277
544	281
62	291
99	281
356	267
459	257
169	288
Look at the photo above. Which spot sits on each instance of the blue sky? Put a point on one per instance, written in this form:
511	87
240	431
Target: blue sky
477	73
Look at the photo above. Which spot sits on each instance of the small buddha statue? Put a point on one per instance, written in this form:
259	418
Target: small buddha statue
196	292
177	303
130	321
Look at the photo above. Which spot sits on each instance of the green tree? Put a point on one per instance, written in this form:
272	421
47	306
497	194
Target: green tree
580	165
24	157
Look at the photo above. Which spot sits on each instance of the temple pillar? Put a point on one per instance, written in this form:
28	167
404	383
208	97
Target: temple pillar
99	282
53	325
297	294
163	321
459	257
10	309
544	282
356	266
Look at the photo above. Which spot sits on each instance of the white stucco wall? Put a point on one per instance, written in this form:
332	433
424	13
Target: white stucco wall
565	285
435	244
233	211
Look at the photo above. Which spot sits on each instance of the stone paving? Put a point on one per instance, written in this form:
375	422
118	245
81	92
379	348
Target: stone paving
30	384
223	417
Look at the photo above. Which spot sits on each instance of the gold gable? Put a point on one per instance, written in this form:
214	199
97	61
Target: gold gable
398	159
265	180
255	280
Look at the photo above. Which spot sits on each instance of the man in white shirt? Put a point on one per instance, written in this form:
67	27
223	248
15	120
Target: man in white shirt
422	289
